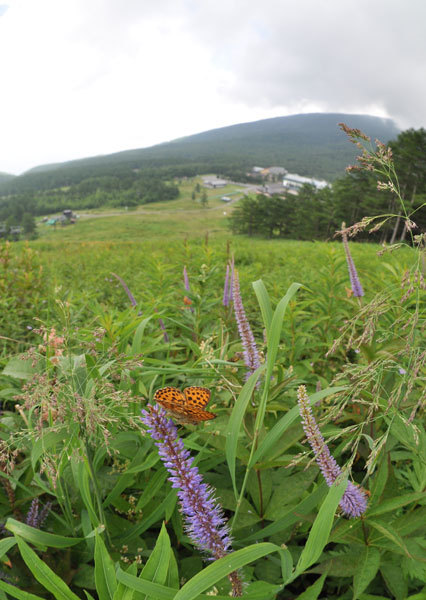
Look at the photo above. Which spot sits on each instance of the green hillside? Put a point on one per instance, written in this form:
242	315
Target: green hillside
310	144
6	176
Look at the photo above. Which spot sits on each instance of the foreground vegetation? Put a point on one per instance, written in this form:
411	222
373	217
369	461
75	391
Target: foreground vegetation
91	329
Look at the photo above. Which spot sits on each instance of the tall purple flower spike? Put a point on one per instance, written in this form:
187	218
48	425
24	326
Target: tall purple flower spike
134	303
126	289
186	279
231	281
226	298
251	354
353	275
205	523
354	501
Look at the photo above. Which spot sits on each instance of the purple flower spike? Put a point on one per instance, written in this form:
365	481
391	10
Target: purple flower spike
226	298
32	515
251	354
126	289
163	329
231	285
36	518
205	523
186	279
353	275
354	501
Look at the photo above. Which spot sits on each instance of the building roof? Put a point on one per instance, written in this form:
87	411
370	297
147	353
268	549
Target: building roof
300	180
213	180
277	170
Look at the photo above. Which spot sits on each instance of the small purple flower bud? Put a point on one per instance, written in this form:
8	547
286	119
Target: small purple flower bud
354	501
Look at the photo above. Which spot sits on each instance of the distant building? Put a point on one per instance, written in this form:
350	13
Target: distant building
273	188
277	171
258	170
294	182
214	182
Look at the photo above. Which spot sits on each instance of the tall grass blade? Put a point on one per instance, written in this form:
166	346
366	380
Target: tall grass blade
44	574
235	422
105	579
320	532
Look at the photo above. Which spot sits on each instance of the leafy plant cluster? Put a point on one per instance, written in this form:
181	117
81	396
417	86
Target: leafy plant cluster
86	504
73	444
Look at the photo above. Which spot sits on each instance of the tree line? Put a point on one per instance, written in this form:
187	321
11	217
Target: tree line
318	214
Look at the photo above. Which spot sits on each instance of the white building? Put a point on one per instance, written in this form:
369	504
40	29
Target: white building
214	182
292	181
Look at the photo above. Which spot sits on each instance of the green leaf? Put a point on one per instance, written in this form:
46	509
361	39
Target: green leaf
80	472
222	567
123	592
156	482
92	369
366	570
379	482
52	438
157	591
167	505
374	597
275	331
387	531
270	440
19	368
137	339
320	532
264	303
6	544
235	421
44	574
394	503
314	590
17	593
394	580
38	537
106	582
125	479
157	565
292	516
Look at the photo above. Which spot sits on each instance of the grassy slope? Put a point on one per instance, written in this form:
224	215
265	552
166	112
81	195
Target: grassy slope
165	236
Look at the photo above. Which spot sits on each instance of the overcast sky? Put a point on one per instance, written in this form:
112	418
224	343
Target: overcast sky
86	77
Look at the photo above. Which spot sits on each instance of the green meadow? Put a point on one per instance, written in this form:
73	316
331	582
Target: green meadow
87	509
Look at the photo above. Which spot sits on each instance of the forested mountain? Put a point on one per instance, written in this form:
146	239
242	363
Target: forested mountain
6	176
309	144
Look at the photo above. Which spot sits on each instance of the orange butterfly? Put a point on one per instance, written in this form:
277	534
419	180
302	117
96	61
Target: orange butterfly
187	406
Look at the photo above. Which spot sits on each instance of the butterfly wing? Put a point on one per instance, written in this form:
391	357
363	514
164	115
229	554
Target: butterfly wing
187	406
196	400
171	399
198	397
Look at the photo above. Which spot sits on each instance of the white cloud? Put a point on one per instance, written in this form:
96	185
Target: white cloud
97	76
